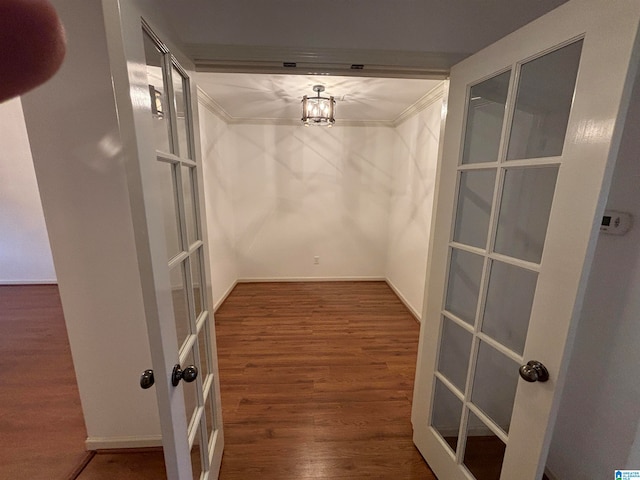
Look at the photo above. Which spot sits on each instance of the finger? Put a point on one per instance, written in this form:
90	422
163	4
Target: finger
32	45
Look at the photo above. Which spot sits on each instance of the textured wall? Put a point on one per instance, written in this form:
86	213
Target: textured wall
306	192
218	166
415	154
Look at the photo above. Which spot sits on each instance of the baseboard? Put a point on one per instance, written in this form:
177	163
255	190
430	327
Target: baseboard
110	443
224	296
413	311
29	282
550	475
309	279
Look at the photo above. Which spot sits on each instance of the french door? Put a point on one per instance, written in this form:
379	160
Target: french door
158	116
531	138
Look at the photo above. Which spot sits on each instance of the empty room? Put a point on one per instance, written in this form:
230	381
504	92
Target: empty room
362	240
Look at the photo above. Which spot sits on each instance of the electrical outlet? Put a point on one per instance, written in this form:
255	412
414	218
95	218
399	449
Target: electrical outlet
316	260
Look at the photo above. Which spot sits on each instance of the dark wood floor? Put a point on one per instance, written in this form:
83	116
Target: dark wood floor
42	430
317	382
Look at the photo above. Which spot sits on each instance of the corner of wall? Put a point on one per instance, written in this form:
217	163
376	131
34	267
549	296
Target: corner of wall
415	157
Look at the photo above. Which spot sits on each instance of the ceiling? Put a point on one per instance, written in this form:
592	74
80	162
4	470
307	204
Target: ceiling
411	39
250	97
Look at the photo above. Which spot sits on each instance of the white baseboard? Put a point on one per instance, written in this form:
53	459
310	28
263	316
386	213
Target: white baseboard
107	443
413	311
29	282
310	279
410	307
224	296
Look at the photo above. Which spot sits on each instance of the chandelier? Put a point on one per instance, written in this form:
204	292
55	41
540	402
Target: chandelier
318	110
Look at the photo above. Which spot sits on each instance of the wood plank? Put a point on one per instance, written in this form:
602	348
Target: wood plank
42	429
325	376
316	382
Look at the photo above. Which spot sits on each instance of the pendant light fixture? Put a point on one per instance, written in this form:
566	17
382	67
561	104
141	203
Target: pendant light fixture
318	110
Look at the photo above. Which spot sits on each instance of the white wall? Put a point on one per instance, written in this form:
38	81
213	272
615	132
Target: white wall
218	164
305	192
80	165
415	154
599	418
25	254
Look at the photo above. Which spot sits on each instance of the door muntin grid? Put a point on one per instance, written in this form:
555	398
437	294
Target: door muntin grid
194	343
485	350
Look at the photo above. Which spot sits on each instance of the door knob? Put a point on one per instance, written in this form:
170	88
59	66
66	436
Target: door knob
189	374
534	371
147	380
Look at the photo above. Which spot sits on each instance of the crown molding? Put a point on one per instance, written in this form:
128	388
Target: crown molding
432	96
213	106
425	101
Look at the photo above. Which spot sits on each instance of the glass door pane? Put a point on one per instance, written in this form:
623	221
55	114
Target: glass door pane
180	303
543	104
165	176
180	87
455	351
494	385
446	415
485	117
508	305
524	212
157	94
190	202
484	450
465	274
475	197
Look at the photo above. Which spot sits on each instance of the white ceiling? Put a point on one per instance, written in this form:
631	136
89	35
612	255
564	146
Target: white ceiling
422	38
277	97
438	31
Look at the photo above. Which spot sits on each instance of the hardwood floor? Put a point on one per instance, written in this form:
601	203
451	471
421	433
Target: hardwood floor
42	430
317	381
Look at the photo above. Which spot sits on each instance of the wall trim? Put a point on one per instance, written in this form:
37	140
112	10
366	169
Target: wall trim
214	107
110	443
423	102
224	296
403	299
395	290
29	282
309	279
428	99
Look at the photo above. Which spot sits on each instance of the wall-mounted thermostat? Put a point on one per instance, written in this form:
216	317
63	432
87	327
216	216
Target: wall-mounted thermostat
615	223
